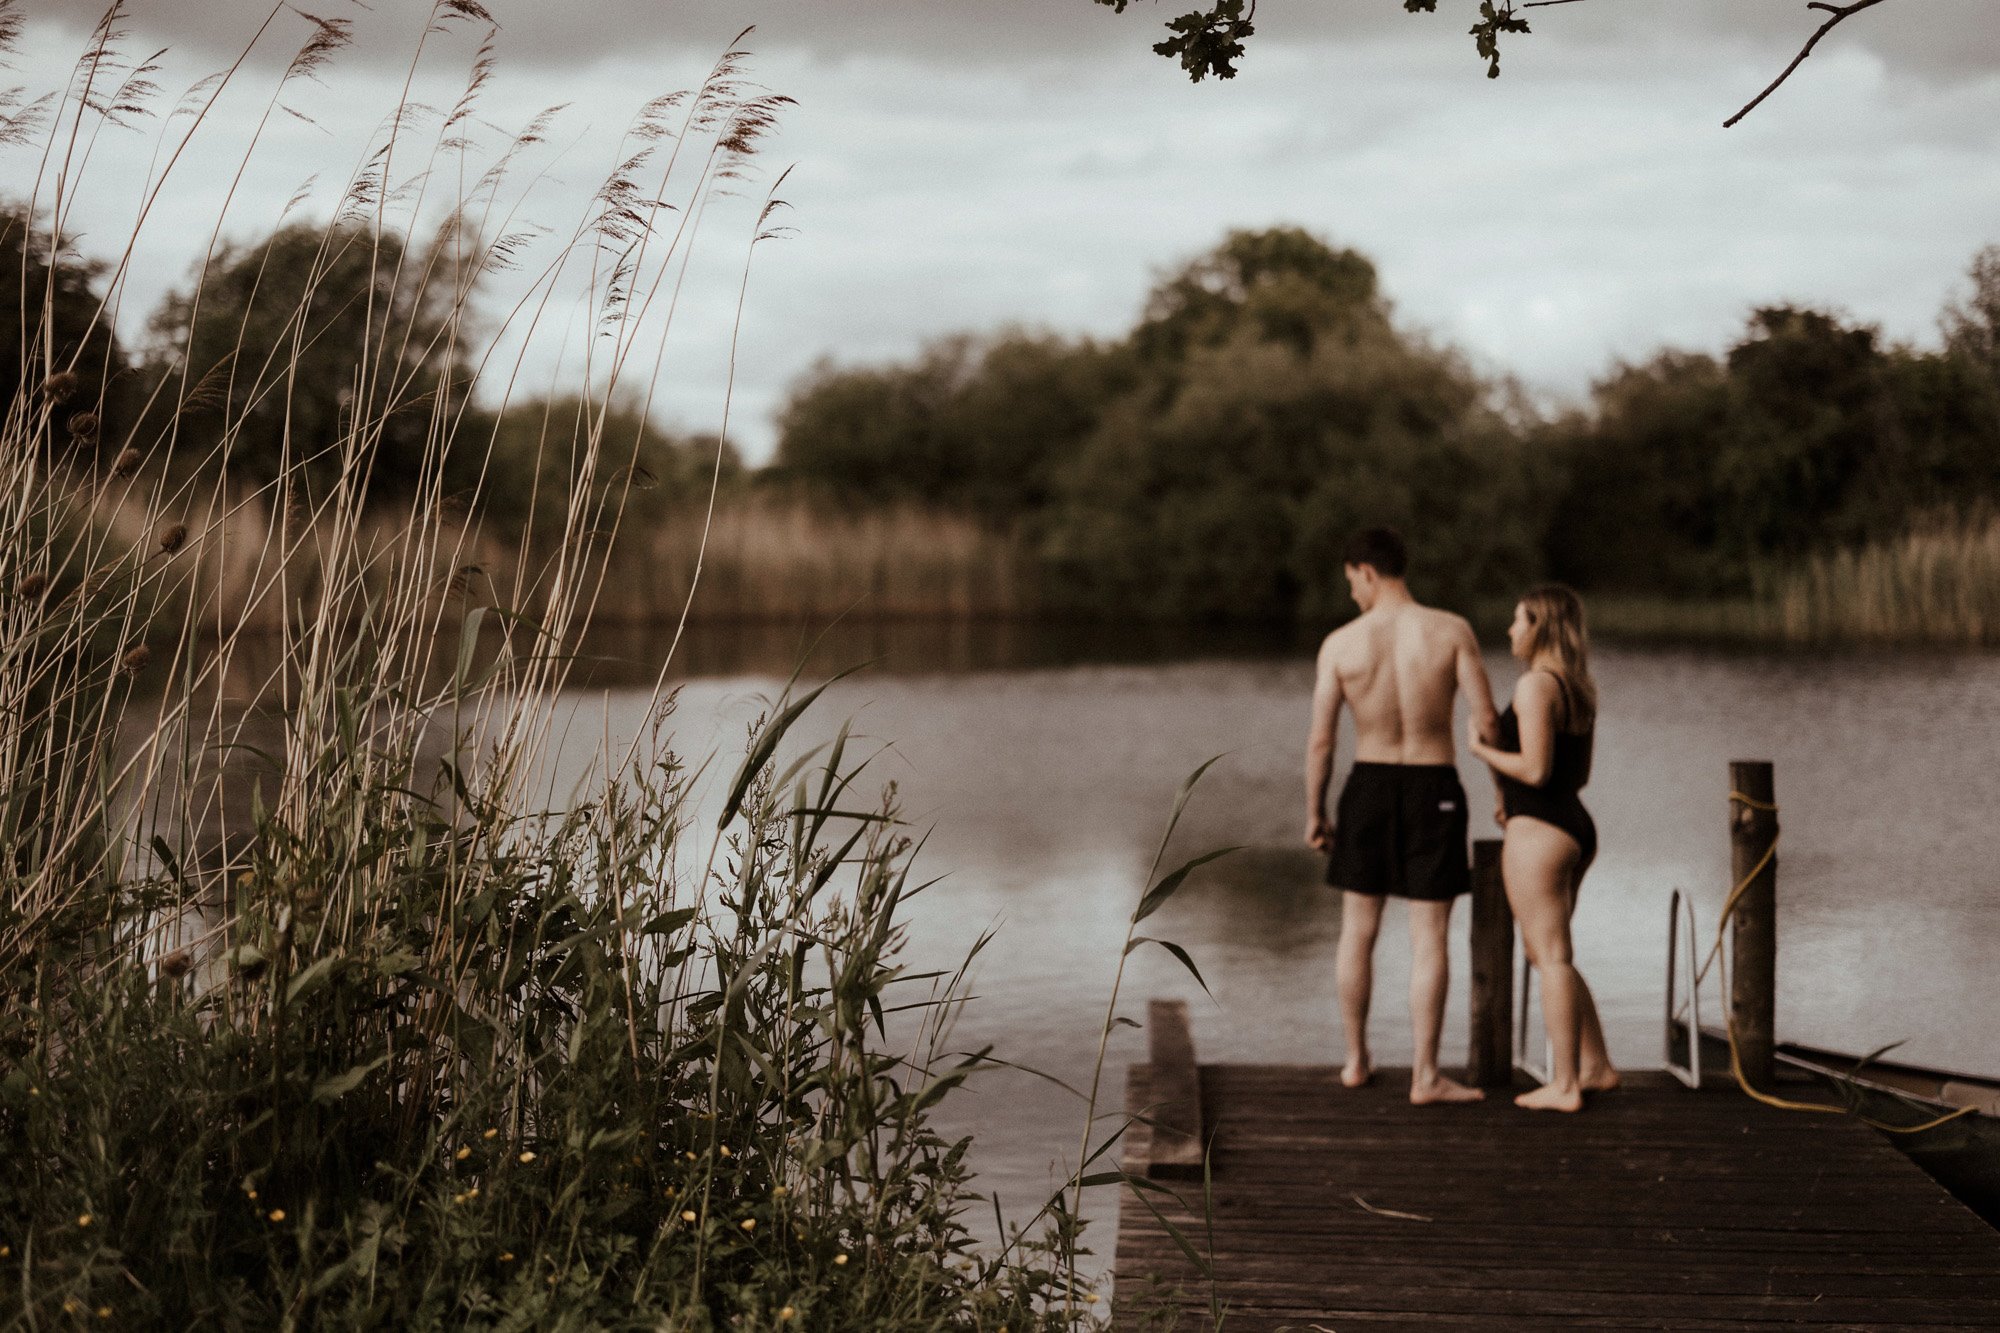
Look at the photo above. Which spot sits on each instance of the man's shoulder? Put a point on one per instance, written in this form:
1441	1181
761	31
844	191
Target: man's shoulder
1445	624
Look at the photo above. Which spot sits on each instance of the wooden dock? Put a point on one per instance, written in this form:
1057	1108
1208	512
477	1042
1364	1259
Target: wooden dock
1273	1195
1659	1207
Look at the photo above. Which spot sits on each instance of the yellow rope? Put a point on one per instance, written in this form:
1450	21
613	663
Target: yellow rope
1735	1059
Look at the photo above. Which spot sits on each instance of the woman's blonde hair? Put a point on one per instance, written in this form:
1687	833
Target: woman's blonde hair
1557	636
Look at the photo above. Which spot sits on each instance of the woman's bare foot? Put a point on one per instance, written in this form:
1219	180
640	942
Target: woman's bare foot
1356	1072
1600	1080
1548	1097
1439	1089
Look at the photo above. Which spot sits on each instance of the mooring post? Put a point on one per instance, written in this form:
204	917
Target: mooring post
1753	982
1490	1052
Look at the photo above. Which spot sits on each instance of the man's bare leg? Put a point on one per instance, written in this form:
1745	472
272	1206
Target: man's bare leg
1430	979
1354	975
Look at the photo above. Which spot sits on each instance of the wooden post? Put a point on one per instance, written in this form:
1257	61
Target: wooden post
1177	1144
1490	1053
1753	982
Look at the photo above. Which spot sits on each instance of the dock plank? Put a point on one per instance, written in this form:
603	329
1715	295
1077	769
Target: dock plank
1657	1207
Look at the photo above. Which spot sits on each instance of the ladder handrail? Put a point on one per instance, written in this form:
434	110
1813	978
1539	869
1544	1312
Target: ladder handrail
1680	906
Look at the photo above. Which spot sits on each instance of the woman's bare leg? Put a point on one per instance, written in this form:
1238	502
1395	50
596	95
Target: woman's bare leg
1538	862
1595	1072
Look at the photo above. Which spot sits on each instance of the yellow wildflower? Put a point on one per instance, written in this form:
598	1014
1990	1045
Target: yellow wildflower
749	1224
83	1219
688	1216
277	1214
490	1134
526	1158
462	1154
840	1261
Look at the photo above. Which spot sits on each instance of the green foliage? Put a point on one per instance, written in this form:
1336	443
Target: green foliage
481	1072
1281	410
977	426
1210	41
285	347
1691	477
56	341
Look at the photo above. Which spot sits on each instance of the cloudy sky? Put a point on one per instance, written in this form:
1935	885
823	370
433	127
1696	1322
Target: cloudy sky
972	164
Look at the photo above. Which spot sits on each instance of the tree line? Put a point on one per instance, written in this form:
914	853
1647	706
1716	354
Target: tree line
1211	461
1208	463
249	372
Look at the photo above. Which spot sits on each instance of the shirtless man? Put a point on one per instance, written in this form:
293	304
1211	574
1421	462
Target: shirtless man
1400	827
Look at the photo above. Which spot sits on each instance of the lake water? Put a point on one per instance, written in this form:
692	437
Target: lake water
1045	769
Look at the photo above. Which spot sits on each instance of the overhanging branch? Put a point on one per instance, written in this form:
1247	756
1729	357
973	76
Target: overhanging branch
1839	13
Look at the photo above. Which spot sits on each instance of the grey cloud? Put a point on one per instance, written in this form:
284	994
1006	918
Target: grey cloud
1934	39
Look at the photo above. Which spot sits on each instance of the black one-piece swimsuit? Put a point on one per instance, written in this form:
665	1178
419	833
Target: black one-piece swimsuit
1556	801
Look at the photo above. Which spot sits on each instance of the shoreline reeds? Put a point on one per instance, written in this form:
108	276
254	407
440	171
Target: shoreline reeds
319	1010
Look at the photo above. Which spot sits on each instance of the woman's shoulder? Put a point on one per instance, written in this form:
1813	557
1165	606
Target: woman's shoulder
1537	688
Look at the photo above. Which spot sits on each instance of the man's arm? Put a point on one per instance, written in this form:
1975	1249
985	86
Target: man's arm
1472	683
1321	736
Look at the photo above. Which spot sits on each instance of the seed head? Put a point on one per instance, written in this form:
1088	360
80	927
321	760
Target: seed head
490	1134
526	1158
83	427
787	1315
277	1214
126	463
33	586
173	537
176	965
840	1261
688	1215
58	387
83	1219
506	1256
462	1154
135	659
749	1224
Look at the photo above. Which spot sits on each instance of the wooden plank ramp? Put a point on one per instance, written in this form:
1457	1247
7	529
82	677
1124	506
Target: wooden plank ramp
1658	1207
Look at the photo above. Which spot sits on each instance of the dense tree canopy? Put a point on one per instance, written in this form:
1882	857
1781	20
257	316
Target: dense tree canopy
1265	405
55	343
311	347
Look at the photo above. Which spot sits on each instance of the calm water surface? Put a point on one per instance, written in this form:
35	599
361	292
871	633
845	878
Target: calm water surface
1045	787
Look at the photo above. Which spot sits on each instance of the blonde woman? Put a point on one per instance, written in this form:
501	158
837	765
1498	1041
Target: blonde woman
1540	764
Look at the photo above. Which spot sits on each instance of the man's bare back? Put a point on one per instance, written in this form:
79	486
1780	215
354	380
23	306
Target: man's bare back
1399	668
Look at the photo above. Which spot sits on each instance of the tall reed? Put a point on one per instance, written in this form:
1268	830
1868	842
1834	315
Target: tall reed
771	557
1939	583
317	1012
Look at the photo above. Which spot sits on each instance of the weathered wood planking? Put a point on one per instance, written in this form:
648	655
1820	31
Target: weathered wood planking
1656	1208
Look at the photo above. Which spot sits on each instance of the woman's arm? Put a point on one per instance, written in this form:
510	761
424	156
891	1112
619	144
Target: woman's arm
1535	700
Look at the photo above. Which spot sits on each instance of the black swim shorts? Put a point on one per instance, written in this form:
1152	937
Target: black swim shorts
1401	829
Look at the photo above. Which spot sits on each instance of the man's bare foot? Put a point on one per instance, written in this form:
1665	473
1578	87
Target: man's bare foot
1439	1089
1356	1072
1548	1097
1600	1080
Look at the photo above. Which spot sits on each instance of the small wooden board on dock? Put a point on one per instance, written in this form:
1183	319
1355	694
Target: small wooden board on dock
1658	1207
